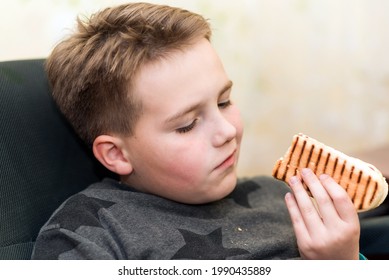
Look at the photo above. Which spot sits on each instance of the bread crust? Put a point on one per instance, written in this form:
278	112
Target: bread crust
363	182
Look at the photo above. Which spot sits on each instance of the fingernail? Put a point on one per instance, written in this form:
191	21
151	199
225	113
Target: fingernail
288	196
323	176
293	180
305	171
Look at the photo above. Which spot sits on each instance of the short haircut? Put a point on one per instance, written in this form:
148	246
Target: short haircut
92	71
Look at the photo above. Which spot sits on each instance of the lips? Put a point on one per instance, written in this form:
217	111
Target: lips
229	161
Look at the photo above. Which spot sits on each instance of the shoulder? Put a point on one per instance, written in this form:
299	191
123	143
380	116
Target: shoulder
83	208
81	227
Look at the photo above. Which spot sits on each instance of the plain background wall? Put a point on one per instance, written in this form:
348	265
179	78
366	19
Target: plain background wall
320	67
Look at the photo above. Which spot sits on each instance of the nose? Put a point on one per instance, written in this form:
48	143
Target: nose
224	131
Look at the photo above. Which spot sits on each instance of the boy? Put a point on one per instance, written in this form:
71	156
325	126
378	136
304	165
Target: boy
143	86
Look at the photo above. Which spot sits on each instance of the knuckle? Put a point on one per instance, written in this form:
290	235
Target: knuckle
308	210
341	197
323	200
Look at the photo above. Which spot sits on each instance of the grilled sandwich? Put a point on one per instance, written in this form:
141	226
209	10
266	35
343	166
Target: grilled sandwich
363	182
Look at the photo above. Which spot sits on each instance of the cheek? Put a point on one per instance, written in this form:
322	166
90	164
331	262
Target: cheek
183	159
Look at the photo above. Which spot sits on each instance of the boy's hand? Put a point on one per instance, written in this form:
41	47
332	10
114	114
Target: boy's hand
330	231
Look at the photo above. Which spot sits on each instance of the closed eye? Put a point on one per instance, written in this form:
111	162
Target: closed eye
224	104
187	128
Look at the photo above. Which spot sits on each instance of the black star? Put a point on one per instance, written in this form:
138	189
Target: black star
80	210
240	195
209	246
61	245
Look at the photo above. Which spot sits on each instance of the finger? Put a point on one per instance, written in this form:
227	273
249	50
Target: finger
306	207
296	218
323	200
341	200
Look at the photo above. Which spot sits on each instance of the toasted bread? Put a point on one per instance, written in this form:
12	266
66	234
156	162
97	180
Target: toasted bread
363	182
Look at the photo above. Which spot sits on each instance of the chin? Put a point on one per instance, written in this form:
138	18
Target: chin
230	186
225	187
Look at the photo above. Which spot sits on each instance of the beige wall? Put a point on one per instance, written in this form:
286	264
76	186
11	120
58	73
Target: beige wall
319	67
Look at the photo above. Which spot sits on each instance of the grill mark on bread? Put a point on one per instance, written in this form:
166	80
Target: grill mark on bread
290	158
359	177
310	155
343	167
335	165
342	172
364	188
301	153
363	199
349	177
326	163
374	192
318	160
367	188
355	194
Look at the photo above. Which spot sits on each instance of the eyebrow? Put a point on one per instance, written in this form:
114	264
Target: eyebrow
197	105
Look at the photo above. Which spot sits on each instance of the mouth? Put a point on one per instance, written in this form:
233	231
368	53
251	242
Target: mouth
228	162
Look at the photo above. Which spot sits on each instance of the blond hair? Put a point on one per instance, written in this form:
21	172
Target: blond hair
92	71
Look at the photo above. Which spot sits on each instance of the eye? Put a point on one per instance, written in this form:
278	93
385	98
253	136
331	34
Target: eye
187	128
224	104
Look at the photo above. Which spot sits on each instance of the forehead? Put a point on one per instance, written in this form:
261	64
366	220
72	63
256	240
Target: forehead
184	76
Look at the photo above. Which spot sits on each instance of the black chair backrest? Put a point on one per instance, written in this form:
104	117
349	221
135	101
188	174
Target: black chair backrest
42	161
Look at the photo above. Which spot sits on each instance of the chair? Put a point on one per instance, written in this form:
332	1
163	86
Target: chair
42	161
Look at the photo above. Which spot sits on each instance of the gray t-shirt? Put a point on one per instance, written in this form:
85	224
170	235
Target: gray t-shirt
109	220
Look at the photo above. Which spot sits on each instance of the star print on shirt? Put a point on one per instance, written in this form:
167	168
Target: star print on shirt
241	195
80	210
208	247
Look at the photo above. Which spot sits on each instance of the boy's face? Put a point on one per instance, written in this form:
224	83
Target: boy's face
186	143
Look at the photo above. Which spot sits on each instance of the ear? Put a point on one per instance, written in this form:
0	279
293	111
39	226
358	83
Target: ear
109	152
